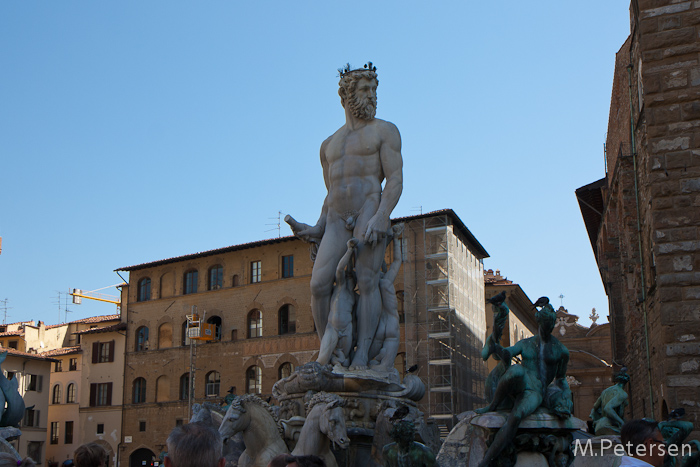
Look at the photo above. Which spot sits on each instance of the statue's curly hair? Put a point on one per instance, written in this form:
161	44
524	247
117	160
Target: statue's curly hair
333	400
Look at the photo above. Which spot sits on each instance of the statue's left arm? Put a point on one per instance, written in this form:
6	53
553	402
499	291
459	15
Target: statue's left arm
392	167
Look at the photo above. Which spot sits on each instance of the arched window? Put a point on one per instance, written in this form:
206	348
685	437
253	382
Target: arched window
216	277
254	324
213	382
163	388
70	394
56	394
144	290
139	391
185	387
286	320
286	369
400	306
216	321
235	282
253	383
165	336
190	282
142	339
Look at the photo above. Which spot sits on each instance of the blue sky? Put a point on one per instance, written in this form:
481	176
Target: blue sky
133	131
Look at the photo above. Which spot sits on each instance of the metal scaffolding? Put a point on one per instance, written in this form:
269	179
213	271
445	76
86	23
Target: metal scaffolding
444	316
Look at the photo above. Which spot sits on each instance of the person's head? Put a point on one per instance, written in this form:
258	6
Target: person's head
622	377
304	461
546	318
9	460
194	445
358	91
90	455
403	432
642	439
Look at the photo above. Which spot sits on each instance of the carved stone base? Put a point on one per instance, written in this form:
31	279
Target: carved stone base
541	440
371	399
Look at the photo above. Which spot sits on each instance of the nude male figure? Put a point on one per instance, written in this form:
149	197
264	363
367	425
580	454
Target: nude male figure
544	361
356	159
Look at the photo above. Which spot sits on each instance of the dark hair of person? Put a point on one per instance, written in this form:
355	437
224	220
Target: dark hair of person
90	455
280	460
306	461
638	431
194	445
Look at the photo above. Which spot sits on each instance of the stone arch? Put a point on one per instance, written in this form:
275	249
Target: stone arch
165	335
141	455
167	285
163	388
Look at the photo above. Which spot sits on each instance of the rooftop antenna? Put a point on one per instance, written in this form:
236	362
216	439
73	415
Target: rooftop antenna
65	307
561	298
417	208
4	310
277	224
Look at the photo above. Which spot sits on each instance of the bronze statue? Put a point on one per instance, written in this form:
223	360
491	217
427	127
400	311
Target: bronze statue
404	451
539	380
608	411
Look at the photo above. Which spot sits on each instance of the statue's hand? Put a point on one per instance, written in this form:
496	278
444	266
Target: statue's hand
310	234
376	228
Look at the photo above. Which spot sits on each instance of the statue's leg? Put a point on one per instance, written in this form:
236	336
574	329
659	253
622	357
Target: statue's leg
367	267
328	345
332	248
526	403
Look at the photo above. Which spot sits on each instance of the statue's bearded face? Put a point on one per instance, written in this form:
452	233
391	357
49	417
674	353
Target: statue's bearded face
358	93
363	101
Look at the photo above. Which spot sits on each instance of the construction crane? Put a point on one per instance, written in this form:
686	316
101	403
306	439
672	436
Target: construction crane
79	294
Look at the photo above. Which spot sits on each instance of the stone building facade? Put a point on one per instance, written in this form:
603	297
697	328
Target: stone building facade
643	217
256	298
590	355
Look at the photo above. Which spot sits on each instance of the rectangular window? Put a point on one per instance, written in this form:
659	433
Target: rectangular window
34	451
69	433
12	345
191	278
73	364
179	422
100	429
100	394
58	366
31	417
102	352
255	272
33	382
287	266
142	426
54	432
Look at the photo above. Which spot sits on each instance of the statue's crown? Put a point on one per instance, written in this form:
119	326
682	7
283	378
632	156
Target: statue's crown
348	69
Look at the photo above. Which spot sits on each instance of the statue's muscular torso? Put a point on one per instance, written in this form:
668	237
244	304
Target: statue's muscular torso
353	167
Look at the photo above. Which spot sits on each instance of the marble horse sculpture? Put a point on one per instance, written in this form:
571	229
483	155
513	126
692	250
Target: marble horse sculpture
262	433
325	424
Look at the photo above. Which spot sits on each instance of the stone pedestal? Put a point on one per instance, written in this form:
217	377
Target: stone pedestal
541	440
371	399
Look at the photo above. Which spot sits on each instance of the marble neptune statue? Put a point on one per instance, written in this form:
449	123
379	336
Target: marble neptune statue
364	153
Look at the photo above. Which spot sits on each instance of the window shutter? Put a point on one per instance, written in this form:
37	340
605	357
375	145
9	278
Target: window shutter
109	393
27	382
111	351
40	379
95	351
93	394
36	418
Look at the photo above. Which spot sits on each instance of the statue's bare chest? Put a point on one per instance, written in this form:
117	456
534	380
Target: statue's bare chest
353	143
